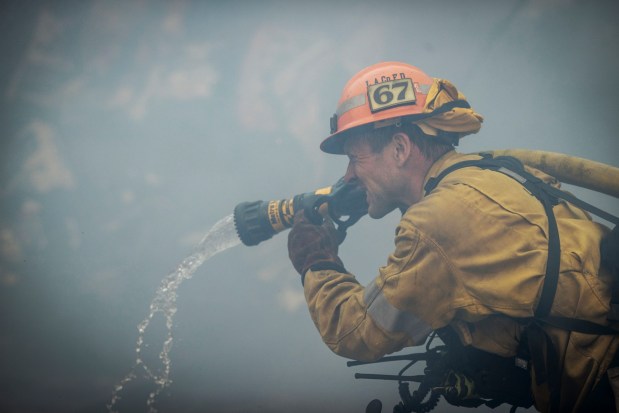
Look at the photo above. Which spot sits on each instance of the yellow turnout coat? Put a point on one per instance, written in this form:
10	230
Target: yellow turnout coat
472	255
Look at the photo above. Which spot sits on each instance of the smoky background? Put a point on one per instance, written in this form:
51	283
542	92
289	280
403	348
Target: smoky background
128	128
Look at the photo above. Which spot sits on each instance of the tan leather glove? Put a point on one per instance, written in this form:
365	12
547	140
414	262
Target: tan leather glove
313	246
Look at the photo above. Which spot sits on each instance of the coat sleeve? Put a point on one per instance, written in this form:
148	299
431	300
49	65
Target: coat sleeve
399	308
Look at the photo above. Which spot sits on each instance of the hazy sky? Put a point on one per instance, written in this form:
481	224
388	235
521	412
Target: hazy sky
130	127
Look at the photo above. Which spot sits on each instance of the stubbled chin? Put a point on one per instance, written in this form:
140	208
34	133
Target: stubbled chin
370	205
373	213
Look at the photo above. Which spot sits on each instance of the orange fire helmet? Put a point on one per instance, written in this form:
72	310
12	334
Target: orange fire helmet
381	95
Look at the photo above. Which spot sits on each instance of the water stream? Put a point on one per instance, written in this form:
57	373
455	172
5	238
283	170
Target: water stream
219	238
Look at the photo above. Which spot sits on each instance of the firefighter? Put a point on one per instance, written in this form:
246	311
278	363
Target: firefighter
471	255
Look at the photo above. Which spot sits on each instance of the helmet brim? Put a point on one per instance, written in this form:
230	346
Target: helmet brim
334	144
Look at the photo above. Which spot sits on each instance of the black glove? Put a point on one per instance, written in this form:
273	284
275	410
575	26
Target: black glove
313	246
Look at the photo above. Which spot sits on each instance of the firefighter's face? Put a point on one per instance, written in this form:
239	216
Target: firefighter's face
376	173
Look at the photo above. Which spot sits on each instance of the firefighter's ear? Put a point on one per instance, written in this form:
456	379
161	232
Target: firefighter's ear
401	146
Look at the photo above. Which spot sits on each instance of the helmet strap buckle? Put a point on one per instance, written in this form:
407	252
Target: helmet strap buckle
333	123
397	122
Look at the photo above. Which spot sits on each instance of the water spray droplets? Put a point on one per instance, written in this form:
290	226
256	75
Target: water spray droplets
219	238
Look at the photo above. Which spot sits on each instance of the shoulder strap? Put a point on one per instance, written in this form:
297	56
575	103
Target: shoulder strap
548	196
